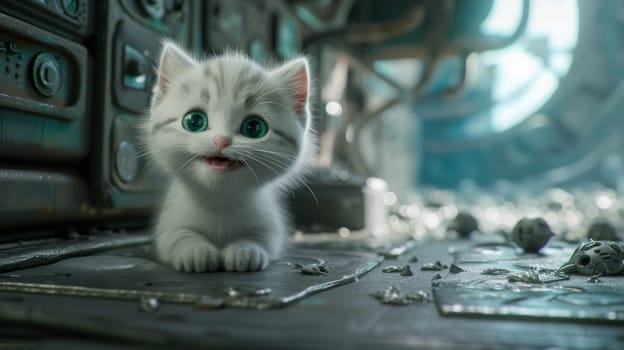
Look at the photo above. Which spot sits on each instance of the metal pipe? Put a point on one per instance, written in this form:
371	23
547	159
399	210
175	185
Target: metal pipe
371	33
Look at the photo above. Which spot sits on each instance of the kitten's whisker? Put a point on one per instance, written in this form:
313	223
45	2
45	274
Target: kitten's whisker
267	156
283	155
256	159
281	166
242	159
187	163
310	190
272	161
255	148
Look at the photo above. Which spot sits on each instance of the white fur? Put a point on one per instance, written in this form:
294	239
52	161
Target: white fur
231	220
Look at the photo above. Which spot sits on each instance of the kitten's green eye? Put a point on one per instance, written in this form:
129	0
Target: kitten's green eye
254	127
195	121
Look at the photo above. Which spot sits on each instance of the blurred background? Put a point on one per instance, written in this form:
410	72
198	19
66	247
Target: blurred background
503	108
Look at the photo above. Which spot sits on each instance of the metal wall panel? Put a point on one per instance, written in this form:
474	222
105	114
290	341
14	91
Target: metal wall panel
128	47
241	25
44	122
69	18
43	94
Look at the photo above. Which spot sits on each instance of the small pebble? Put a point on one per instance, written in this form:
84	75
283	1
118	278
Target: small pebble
406	271
464	224
390	295
413	259
437	266
455	269
602	230
314	270
531	234
392	269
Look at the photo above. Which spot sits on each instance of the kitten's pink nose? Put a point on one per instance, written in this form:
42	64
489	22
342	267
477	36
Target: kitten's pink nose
221	142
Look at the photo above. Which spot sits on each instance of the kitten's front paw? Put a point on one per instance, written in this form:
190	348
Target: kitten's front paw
245	256
201	256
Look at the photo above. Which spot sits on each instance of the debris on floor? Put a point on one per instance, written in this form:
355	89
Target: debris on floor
392	295
536	277
595	278
437	266
406	271
391	269
435	281
593	257
312	269
455	269
403	270
495	272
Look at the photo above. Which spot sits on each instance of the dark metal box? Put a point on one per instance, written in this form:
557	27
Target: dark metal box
128	46
43	94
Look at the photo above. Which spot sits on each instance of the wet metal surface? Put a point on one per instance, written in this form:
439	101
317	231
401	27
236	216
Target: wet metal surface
507	284
389	248
347	317
501	298
29	256
132	275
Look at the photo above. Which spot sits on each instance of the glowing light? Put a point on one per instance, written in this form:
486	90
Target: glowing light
431	221
376	184
527	73
412	211
503	18
298	235
344	232
604	201
333	108
390	198
350	133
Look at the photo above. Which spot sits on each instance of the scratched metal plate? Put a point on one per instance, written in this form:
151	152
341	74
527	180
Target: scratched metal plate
474	293
132	273
496	297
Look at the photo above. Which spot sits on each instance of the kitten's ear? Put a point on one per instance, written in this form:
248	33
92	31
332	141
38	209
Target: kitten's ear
295	75
173	60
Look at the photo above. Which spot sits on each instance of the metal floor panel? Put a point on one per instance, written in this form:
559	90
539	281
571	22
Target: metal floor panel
346	317
133	273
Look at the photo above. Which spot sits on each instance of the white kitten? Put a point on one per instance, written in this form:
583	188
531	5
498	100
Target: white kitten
231	135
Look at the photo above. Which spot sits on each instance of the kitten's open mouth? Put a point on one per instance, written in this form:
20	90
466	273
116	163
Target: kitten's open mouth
221	163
